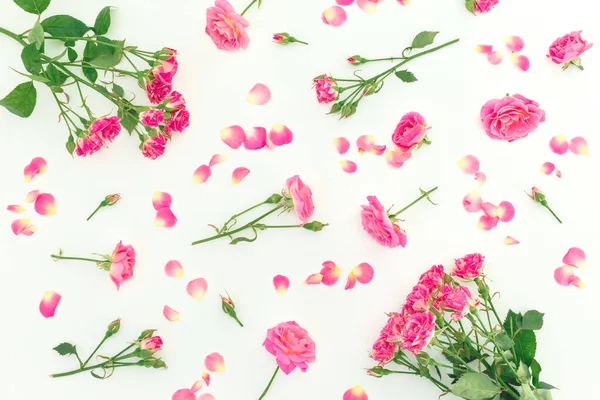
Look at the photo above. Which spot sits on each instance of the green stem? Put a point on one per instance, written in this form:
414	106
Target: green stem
95	211
299	41
555	216
238	321
235	216
13	36
85	39
124	350
95	350
247	8
280	226
120	71
414	202
80	370
76	258
367	60
131	62
269	385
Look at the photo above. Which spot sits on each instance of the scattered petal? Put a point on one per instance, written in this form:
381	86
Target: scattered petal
472	201
487	223
356	393
233	136
505	211
45	204
351	282
365	143
368	6
521	61
397	157
174	269
197	386
31	196
559	144
348	166
314	279
489	209
575	257
334	16
480	178
23	227
183	394
341	144
469	164
256	138
514	43
378	149
202	174
483	48
16	209
547	168
238	174
49	303
217	159
330	272
197	288
214	362
565	276
161	200
165	218
206	396
37	166
170	314
558	173
280	135
344	2
510	241
281	283
206	378
364	273
259	95
495	57
579	146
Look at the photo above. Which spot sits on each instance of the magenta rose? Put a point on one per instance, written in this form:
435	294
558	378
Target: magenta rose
410	131
377	223
418	332
88	145
433	278
511	117
154	146
393	328
153	344
483	6
326	89
568	49
123	261
457	299
179	121
469	267
152	117
301	196
418	299
166	69
107	128
291	346
383	351
226	28
157	89
176	101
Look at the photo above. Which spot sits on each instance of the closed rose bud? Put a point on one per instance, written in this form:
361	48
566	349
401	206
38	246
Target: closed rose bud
153	344
281	38
274	199
113	327
537	195
112	199
314	226
356	60
228	307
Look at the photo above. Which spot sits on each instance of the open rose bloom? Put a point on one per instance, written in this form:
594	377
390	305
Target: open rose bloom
377	224
226	28
567	50
301	196
511	117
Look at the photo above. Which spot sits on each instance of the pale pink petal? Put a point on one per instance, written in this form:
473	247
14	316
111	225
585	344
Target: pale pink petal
483	48
341	144
344	2
197	288
165	218
238	174
281	283
348	166
364	273
514	43
351	282
579	146
217	159
489	209
280	135
565	276
206	396
23	227
183	394
206	378
559	144
368	6
170	314
161	200
334	16
16	209
481	178
510	241
378	149
365	143
558	173
397	157
256	138
472	201
469	164
45	204
202	174
521	61
547	168
31	196
174	269
487	223
331	273
259	95
233	136
197	386
575	257
314	279
505	211
355	393
495	57
214	362
49	303
37	166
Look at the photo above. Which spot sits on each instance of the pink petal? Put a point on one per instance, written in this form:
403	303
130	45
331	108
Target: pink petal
575	257
495	57
397	157
489	209
183	394
280	135
351	282
377	149
256	138
330	272
579	146
23	227
281	283
37	166
521	61
558	173
202	174
355	393
233	136
197	386
31	196
469	164
547	168
161	200
510	241
214	362
514	43
483	48
487	223
480	178
334	16
165	218
341	144
559	144
365	143
259	95
364	273
206	378
174	269
472	201
170	314
314	279
344	2
16	209
217	159
368	6
45	204
506	211
197	288
565	276
238	174
348	166
49	303
206	396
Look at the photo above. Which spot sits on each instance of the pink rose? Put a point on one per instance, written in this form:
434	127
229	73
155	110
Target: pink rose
166	69
483	6
154	146
226	28
383	351
153	344
157	89
107	128
511	117
326	89
152	117
123	261
418	332
568	48
433	278
176	101
393	328
376	222
458	299
410	131
301	197
180	120
291	346
88	145
418	299
469	267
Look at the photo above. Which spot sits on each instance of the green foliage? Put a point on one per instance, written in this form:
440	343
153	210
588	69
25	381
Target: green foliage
102	23
470	5
36	34
129	119
65	349
32	59
118	90
71	54
423	39
21	101
475	386
533	320
64	26
536	369
504	341
55	77
103	52
33	6
406	76
524	340
89	72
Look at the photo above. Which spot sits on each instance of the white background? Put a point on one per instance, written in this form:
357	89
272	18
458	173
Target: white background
452	86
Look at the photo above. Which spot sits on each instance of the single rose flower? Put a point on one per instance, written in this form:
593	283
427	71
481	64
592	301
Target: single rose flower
154	146
377	223
418	299
483	6
178	122
433	278
393	328
123	261
88	145
166	68
157	89
153	344
511	117
176	101
291	346
301	196
469	267
457	299
326	89
418	332
383	351
152	117
226	28
568	49
107	128
410	131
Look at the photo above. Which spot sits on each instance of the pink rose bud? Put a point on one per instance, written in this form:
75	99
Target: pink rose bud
113	327
539	197
356	60
281	38
112	199
229	308
315	226
153	344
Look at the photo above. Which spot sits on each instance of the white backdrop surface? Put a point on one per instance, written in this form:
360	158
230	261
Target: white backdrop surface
453	84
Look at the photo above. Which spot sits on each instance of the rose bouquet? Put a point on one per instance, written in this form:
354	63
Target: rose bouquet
482	356
86	55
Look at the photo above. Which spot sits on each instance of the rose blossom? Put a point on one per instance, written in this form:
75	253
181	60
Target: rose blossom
511	117
433	278
383	351
376	222
107	128
568	48
291	346
157	89
154	146
153	344
152	117
393	328
166	69
410	131
88	145
469	267
226	28
123	261
483	6
458	299
326	89
301	196
418	332
176	101
180	120
418	299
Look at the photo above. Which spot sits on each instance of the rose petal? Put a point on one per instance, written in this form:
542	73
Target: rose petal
483	48
348	166
183	394
49	303
558	173
559	144
364	273
37	166
341	144
16	209
314	279
378	149
489	209
280	135
197	386
206	378
45	204
505	211
514	43
23	227
174	269
469	164
487	223
330	272
510	241
356	393
575	257
281	283
202	174
344	2
351	281
31	196
547	168
256	138
238	174
472	201
161	200
579	146
259	95
480	178
397	157
521	61
206	396
334	16
233	136
165	218
217	159
368	6
170	314
365	143
495	57
214	362
565	276
197	288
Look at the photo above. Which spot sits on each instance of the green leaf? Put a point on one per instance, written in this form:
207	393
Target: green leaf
129	119
36	34
523	373
525	346
118	90
423	39
536	369
102	21
527	393
544	385
543	394
470	5
21	101
56	77
103	53
89	73
65	349
406	76
33	6
71	55
533	320
504	341
64	26
37	78
475	386
32	59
